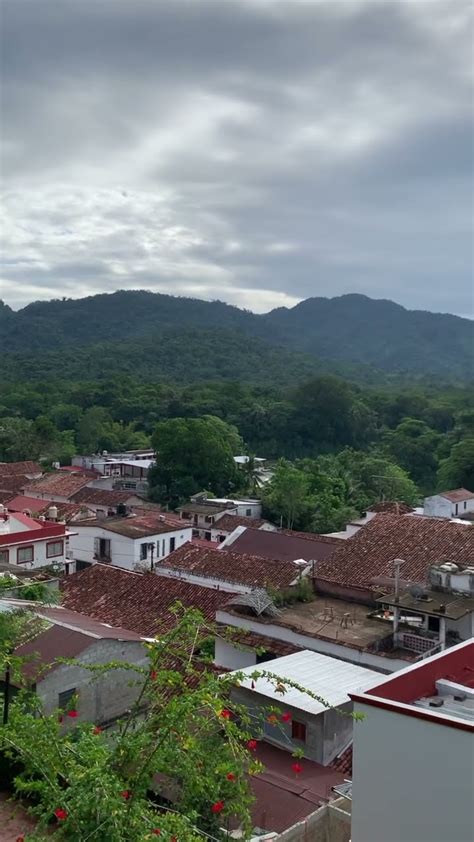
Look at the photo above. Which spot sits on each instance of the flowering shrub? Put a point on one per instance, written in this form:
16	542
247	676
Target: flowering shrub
177	765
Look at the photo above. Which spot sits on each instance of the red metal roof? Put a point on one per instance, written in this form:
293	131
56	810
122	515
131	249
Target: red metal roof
283	546
136	601
419	541
284	798
237	568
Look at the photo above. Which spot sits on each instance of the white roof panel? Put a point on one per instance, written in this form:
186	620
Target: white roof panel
327	677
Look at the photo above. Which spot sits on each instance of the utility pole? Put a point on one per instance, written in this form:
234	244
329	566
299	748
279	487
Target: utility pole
397	563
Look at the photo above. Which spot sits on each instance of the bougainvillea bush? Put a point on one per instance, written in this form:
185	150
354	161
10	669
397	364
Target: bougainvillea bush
177	766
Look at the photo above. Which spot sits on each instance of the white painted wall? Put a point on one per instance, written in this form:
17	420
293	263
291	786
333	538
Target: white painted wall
125	552
438	506
412	780
204	581
40	559
227	655
344	653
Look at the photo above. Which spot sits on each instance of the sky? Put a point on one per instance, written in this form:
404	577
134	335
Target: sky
259	152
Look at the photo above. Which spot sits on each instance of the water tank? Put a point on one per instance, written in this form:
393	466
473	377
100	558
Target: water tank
52	513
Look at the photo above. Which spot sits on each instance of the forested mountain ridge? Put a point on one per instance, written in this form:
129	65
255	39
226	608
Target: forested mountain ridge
349	330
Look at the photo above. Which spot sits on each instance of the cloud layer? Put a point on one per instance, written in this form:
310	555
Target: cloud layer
256	151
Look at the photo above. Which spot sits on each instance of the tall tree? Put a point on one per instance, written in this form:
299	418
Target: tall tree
194	454
457	471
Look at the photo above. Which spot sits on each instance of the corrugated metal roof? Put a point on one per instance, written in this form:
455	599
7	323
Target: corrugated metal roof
327	677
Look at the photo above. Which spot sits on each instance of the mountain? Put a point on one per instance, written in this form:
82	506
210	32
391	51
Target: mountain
157	336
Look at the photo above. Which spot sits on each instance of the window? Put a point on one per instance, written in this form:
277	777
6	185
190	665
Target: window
25	554
298	731
207	536
54	548
209	519
248	512
172	544
465	505
66	697
456	509
4	555
102	549
143	552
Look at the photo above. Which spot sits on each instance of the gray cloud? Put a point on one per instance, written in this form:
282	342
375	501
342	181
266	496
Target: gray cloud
257	151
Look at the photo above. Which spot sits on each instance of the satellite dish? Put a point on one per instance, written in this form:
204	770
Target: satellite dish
417	591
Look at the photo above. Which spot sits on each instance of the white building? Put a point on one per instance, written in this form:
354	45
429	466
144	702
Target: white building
413	758
449	503
32	542
133	542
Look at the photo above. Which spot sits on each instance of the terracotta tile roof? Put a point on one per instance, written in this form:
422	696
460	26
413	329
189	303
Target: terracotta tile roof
419	541
283	546
59	482
136	601
227	523
237	568
310	536
14	484
391	507
343	763
66	511
73	469
458	495
139	526
102	497
14	468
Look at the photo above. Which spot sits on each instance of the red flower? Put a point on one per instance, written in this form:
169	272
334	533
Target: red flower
217	807
20	839
225	714
286	717
97	730
297	768
126	794
72	713
60	814
173	839
252	745
230	776
153	675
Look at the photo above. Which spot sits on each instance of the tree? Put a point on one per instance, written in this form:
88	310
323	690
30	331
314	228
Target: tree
193	454
375	478
18	440
413	446
457	471
286	496
186	738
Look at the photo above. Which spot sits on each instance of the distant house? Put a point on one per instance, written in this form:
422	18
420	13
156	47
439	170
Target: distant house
214	568
203	516
317	729
67	634
32	542
58	486
105	502
34	507
227	523
131	542
449	503
127	470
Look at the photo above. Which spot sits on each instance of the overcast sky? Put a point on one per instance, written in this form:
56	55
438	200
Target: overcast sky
255	151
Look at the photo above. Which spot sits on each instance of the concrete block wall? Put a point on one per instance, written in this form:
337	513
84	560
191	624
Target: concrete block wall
103	698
